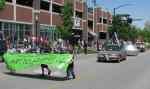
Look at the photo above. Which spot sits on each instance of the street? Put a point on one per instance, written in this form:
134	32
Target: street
133	73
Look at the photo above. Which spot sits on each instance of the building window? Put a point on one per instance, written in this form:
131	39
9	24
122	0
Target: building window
57	8
79	14
102	35
105	21
90	10
25	2
90	24
9	0
100	20
44	5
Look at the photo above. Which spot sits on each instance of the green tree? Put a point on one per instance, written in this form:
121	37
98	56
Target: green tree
147	25
129	32
2	4
119	27
145	34
66	28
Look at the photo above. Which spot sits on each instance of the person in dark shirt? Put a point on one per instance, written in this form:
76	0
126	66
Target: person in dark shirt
85	47
45	66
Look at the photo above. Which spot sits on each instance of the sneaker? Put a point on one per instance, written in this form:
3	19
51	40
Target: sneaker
73	77
42	74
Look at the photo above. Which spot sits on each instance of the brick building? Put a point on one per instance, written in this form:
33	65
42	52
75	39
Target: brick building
16	19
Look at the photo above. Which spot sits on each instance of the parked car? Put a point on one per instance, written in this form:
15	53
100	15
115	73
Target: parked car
140	46
112	52
131	49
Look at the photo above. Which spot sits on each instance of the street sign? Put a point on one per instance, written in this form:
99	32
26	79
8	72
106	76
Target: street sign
76	22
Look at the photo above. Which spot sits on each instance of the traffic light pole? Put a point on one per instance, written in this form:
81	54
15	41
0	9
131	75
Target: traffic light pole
114	26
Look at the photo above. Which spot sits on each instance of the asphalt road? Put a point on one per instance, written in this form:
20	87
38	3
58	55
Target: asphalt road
134	73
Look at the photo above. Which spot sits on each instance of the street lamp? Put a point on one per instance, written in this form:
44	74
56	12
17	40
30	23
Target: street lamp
120	6
36	24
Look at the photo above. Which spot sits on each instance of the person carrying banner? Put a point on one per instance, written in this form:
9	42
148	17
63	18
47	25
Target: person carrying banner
45	66
70	70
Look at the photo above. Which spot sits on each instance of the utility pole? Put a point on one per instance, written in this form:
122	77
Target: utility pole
95	23
36	22
74	10
51	11
94	20
85	21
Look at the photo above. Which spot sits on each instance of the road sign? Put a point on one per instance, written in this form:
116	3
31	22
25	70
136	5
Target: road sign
76	22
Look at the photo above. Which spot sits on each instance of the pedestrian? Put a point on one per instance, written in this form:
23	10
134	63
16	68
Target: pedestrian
98	45
70	69
45	66
85	47
25	42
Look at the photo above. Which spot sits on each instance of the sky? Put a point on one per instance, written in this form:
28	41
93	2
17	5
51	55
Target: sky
139	9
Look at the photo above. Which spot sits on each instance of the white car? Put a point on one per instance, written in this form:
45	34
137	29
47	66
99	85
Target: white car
131	50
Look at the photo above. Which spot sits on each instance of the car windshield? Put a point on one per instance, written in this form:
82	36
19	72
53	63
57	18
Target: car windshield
112	48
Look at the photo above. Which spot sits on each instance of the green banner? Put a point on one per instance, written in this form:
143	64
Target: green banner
21	61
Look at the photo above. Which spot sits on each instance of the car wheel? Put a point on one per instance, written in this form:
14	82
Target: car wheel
98	59
119	61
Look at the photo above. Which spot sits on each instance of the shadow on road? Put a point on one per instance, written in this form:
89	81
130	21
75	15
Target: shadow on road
36	76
